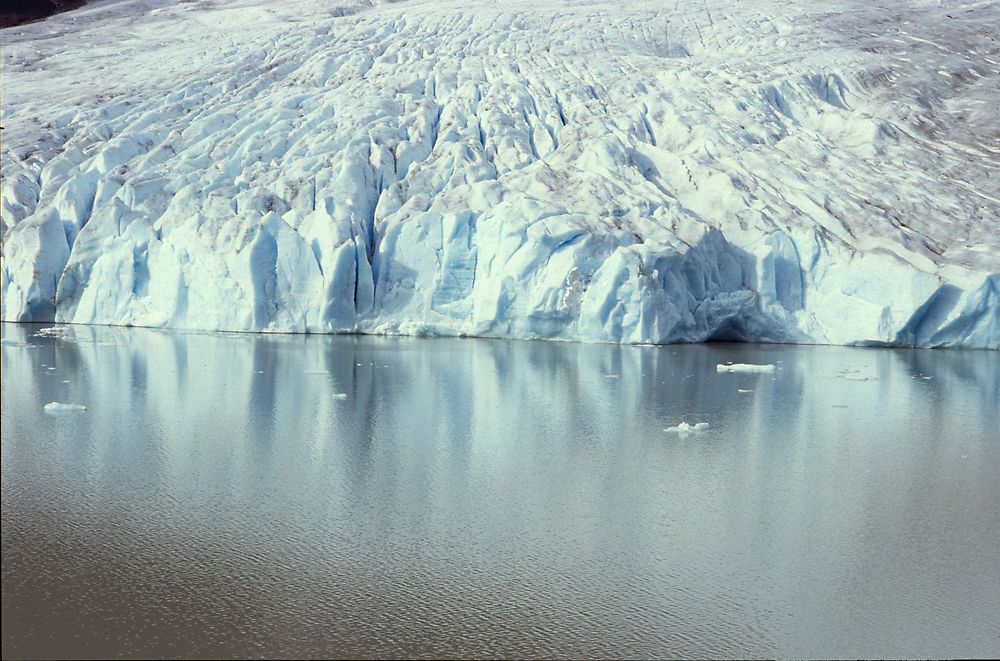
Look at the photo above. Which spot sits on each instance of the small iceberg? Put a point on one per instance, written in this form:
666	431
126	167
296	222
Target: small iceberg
59	407
61	332
685	428
744	367
340	395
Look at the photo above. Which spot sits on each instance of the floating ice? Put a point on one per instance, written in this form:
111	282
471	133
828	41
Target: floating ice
685	428
58	407
62	332
744	367
340	395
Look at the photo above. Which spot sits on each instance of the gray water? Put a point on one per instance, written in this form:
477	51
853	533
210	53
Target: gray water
492	498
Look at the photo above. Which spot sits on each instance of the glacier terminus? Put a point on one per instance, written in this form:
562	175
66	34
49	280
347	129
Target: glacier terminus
648	172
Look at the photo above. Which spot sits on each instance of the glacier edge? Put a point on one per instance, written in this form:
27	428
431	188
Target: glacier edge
388	174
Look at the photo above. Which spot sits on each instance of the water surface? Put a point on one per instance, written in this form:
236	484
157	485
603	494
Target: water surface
241	495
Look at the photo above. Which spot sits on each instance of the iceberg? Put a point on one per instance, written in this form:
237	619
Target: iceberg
745	368
762	171
59	407
685	428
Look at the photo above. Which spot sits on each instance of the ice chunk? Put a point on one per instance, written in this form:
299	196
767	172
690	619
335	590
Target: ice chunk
340	395
63	332
744	367
685	428
59	407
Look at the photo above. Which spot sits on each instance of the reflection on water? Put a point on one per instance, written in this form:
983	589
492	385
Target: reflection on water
343	496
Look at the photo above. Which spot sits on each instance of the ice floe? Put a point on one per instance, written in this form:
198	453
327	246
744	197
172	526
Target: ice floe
685	428
744	368
59	407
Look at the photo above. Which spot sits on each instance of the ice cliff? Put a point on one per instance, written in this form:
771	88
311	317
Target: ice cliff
822	172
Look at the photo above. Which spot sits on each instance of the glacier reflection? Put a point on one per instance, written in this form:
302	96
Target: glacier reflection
285	495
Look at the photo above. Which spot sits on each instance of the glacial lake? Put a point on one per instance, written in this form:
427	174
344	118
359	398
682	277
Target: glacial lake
247	495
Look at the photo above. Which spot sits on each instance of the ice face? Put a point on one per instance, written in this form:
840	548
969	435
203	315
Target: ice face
718	171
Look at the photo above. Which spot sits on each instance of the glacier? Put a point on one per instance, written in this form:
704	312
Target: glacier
814	172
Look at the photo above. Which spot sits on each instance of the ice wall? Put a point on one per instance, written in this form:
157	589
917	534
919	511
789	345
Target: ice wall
760	172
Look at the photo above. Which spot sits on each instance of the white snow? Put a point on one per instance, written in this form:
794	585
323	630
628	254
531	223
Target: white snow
744	367
685	428
58	407
639	172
